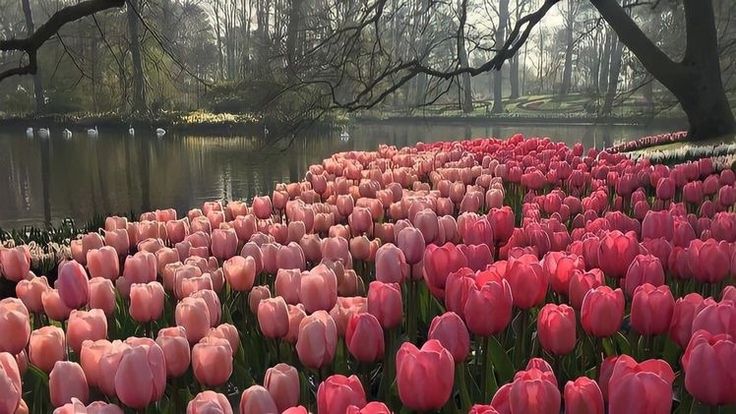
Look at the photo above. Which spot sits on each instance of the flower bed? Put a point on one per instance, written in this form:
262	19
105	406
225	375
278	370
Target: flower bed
483	276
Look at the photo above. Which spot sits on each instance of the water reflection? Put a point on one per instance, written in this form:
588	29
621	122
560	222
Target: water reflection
45	180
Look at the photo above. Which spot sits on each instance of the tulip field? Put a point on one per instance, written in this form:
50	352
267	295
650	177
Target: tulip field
515	276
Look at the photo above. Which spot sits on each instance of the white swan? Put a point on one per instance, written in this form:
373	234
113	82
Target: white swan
160	132
44	133
67	134
93	133
131	131
29	132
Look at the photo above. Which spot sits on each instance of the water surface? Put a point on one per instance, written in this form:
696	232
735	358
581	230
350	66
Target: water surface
44	180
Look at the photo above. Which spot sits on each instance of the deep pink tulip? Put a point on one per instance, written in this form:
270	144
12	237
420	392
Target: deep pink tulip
533	392
438	263
424	377
451	332
338	392
560	267
385	303
488	309
364	337
602	311
716	318
583	396
652	309
528	281
707	364
616	252
640	388
644	269
556	327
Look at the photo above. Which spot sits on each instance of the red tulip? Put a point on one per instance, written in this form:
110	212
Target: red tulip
602	311
488	308
528	281
556	326
212	361
708	362
616	252
533	392
424	377
644	269
338	392
364	337
583	396
652	309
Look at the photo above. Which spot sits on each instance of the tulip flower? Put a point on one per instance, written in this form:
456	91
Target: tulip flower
640	388
364	337
451	332
140	377
11	389
385	303
15	325
72	284
317	340
85	325
194	315
16	263
67	381
212	361
89	359
616	252
282	382
556	326
47	345
273	317
602	311
318	290
174	344
488	309
439	262
644	269
391	265
209	402
528	281
652	309
338	392
146	301
424	377
707	364
257	400
583	396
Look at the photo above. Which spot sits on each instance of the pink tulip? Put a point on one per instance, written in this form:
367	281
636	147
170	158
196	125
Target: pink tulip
30	291
212	361
85	325
72	284
102	295
256	295
317	340
338	392
257	400
424	377
103	262
174	344
364	337
224	243
282	382
146	301
273	317
451	332
385	303
11	389
15	324
47	345
391	265
288	284
439	262
15	263
194	315
140	378
67	381
209	402
89	359
318	290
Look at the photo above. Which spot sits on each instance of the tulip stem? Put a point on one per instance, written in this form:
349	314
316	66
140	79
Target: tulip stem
412	312
489	376
465	401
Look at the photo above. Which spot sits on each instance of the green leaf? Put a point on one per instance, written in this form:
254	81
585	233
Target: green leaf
501	360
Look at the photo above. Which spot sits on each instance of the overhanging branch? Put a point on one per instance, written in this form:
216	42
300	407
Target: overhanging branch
31	44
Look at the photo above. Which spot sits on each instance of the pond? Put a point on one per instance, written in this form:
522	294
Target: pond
44	180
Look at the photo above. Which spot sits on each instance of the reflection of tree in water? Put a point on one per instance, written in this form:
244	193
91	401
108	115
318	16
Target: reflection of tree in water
46	180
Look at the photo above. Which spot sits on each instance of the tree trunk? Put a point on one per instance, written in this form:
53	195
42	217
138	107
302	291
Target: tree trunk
613	71
696	81
503	18
569	46
37	83
139	87
514	76
467	90
218	35
604	63
292	33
